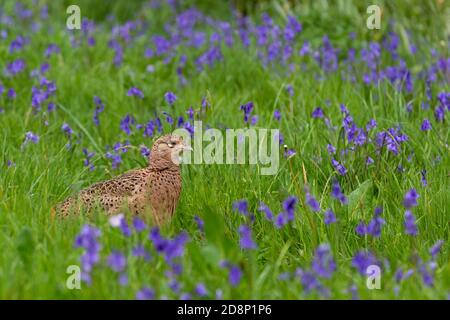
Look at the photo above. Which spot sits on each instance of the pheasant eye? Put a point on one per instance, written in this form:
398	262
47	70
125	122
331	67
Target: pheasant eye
171	144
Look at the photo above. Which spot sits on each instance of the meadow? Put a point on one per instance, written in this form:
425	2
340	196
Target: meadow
364	176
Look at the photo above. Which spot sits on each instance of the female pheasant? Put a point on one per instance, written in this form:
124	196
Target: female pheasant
154	189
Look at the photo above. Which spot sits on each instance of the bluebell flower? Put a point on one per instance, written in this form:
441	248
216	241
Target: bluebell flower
329	217
170	97
246	242
410	223
426	125
135	92
264	208
145	294
410	199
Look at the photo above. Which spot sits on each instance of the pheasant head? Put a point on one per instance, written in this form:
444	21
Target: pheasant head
166	152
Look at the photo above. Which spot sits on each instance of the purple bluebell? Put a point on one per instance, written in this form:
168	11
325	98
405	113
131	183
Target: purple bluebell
337	193
241	206
289	207
331	149
31	137
410	223
329	217
170	97
374	226
16	67
247	108
11	94
317	113
51	49
88	240
135	92
138	224
339	167
264	208
362	260
312	202
145	294
140	251
436	248
200	223
234	273
99	107
126	123
410	199
245	238
426	125
323	263
423	177
277	115
200	290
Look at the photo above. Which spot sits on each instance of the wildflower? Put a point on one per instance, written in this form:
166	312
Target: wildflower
31	137
139	251
235	273
323	263
125	124
170	98
200	290
135	92
247	108
434	250
423	177
317	113
200	223
138	224
281	220
87	239
361	229
99	107
145	294
145	151
241	206
337	193
88	156
116	220
330	217
290	90
117	261
339	167
331	149
312	202
426	125
11	94
362	260
410	199
277	115
51	49
410	223
246	242
289	207
264	208
16	67
190	113
374	226
67	130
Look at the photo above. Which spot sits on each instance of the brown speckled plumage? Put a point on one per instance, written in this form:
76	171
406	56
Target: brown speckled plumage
154	189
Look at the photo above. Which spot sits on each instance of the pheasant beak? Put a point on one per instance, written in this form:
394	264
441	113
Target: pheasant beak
186	147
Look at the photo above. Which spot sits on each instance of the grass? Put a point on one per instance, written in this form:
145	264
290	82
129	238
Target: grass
36	250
